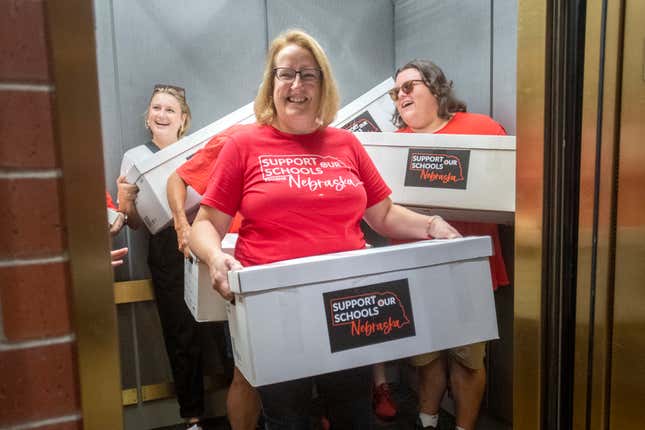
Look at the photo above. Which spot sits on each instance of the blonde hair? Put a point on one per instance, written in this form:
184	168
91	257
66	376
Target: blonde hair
264	107
179	94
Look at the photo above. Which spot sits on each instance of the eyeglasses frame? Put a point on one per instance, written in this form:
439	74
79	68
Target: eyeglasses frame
394	92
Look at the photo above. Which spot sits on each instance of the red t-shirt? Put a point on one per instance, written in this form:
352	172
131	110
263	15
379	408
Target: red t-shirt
198	169
300	195
474	123
108	201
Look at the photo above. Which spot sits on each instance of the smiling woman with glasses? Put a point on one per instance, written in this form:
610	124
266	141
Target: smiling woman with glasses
432	108
275	174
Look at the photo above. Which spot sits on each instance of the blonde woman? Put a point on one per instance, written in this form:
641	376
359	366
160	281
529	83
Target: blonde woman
167	118
296	102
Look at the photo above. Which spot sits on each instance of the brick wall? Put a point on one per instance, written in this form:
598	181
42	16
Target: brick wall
39	386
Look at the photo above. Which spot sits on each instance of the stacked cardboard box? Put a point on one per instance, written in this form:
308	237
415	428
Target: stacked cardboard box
315	315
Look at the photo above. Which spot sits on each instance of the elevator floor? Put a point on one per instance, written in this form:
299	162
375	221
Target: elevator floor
407	401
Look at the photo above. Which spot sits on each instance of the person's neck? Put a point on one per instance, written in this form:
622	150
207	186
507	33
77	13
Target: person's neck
163	141
435	125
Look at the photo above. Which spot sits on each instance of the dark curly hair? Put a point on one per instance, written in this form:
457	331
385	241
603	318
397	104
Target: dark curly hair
439	86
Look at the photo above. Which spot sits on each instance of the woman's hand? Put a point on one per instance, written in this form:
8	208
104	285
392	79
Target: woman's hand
440	229
219	269
117	256
126	193
118	224
183	234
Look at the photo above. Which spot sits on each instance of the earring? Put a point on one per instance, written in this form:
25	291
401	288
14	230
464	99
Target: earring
147	125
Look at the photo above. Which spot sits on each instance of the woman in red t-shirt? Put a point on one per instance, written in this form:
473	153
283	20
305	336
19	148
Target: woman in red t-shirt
302	188
425	104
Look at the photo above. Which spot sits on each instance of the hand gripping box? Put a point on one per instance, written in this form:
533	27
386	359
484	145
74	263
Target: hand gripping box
204	302
469	172
151	174
315	315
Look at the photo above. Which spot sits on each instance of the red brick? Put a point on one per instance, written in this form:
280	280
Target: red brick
31	223
27	135
23	43
38	383
35	301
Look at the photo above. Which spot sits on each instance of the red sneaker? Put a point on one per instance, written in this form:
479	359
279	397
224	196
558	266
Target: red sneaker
384	406
324	423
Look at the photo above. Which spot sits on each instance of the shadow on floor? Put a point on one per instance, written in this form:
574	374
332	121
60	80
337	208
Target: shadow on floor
405	397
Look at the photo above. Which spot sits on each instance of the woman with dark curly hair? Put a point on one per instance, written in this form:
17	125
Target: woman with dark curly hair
425	103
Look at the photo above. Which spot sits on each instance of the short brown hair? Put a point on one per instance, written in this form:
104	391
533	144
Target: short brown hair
264	106
440	87
178	93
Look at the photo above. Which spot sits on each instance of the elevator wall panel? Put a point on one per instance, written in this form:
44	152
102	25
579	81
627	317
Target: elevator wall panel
456	35
357	36
504	57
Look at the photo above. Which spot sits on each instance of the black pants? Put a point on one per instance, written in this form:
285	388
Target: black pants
347	398
182	334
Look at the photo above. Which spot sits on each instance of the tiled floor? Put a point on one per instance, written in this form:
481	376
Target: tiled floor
407	401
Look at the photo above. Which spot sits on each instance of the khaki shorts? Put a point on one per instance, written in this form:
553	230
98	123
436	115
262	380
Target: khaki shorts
471	356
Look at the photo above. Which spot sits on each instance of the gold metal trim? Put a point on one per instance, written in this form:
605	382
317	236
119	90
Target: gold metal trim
70	26
628	342
133	291
527	339
606	175
160	391
129	397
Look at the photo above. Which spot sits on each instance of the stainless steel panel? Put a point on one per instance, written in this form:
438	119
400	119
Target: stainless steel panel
628	343
504	82
527	340
454	34
127	347
153	363
357	36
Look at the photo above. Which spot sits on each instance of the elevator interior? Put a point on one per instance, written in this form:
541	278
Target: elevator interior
216	51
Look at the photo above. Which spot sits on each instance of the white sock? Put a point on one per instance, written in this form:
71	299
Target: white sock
459	428
429	420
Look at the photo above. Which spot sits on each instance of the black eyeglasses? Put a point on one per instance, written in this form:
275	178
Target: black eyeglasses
164	87
287	74
406	87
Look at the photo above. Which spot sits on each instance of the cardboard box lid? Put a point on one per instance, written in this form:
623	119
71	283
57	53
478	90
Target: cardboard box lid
376	102
341	265
425	140
199	138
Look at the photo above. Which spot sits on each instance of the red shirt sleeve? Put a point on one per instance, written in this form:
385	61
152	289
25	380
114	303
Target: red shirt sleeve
109	202
224	190
198	169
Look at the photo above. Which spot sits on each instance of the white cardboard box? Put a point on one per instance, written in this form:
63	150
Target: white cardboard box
204	302
315	315
371	112
112	216
151	174
470	172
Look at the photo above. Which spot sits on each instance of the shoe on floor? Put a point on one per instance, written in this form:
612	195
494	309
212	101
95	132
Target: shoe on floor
384	406
193	426
419	426
324	423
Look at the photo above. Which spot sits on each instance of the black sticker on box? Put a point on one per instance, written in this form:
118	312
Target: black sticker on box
369	315
437	168
362	123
